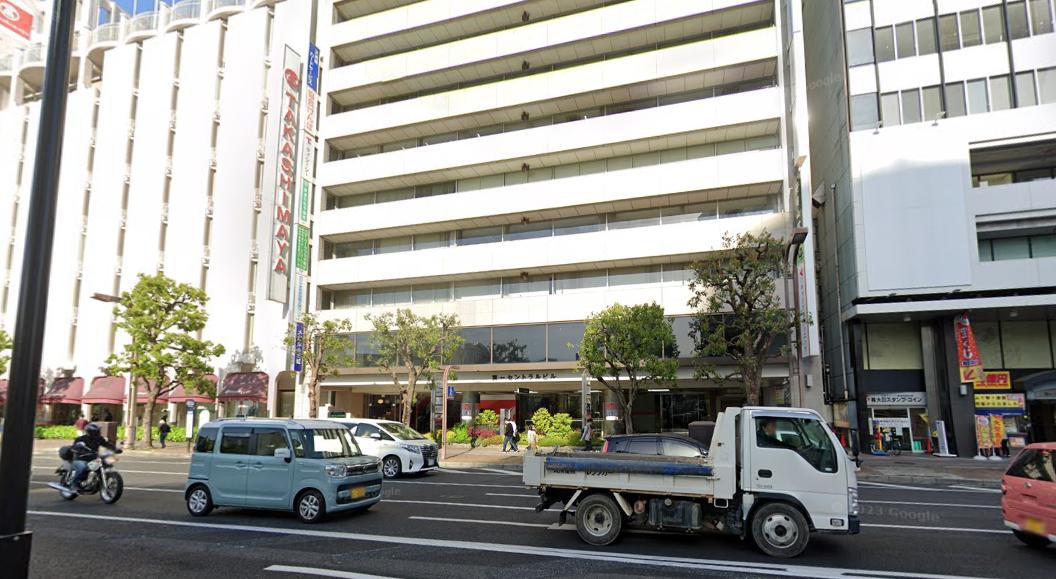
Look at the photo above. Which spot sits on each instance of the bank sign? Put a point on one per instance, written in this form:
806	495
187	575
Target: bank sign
282	238
15	19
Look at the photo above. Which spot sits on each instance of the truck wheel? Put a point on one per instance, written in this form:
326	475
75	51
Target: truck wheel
598	520
1036	541
780	530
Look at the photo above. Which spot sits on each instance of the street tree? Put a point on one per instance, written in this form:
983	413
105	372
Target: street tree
324	345
414	346
6	343
163	319
624	347
738	315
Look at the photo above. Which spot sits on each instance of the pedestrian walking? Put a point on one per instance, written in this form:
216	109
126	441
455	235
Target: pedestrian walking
510	437
79	424
108	417
163	431
533	438
588	433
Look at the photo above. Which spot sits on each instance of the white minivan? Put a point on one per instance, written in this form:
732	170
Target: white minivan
400	448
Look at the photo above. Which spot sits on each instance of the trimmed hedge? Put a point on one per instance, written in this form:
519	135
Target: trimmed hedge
65	432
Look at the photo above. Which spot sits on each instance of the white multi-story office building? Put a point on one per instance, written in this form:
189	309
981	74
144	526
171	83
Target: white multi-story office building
176	118
523	164
933	141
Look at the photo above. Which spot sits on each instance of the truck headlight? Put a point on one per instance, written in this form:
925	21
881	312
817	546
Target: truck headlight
336	470
412	448
852	502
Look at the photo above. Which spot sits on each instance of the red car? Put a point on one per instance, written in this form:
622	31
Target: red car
1029	495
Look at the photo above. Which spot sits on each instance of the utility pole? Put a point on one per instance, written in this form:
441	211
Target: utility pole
17	452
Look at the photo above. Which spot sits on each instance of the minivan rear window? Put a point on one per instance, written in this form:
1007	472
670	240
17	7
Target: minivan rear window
1034	465
234	441
206	440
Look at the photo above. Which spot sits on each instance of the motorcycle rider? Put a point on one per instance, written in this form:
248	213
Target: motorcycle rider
86	449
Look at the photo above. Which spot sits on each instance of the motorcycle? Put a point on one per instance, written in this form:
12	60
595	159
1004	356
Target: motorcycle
102	477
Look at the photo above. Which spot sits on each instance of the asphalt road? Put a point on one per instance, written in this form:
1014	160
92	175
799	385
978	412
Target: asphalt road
481	523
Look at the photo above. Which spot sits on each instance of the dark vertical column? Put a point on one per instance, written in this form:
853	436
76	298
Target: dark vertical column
17	452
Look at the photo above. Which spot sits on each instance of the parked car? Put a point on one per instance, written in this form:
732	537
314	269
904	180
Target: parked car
1028	490
312	467
656	444
401	448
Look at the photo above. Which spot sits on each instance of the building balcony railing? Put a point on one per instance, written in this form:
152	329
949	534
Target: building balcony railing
144	25
110	32
8	63
223	8
184	14
33	56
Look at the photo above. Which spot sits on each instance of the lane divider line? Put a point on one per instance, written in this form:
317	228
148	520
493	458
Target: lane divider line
446	504
948	529
601	556
511	495
481	522
417	482
958	505
319	572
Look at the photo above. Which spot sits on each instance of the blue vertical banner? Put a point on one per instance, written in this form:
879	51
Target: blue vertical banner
298	347
313	67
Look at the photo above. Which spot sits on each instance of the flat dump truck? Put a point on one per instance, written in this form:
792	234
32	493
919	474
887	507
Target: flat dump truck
774	475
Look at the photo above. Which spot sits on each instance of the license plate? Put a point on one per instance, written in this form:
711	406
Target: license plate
358	492
429	462
1034	526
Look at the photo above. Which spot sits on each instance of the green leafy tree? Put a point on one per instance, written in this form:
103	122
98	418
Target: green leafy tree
324	352
623	348
417	346
487	419
542	421
560	424
738	313
162	319
6	344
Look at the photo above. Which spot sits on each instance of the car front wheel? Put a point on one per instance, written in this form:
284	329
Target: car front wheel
311	507
391	467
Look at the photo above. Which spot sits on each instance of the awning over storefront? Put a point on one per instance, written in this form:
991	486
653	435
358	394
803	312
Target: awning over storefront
179	395
245	386
106	390
3	391
142	392
64	391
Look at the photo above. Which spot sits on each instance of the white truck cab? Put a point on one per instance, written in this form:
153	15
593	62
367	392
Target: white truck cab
772	474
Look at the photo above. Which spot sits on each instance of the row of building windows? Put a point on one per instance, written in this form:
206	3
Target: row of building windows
556	227
959	30
516	286
761	143
561	118
1002	345
338	107
524	344
962	98
1023	247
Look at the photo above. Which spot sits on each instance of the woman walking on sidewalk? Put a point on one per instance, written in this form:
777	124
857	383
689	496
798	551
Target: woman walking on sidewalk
163	431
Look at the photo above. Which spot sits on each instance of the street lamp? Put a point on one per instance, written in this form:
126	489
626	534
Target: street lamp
131	394
799	235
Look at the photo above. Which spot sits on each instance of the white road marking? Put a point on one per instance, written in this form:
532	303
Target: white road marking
958	505
887	486
183	474
481	522
501	471
923	528
323	572
512	495
602	556
459	504
415	482
977	489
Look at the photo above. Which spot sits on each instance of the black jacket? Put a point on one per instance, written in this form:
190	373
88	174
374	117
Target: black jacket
90	449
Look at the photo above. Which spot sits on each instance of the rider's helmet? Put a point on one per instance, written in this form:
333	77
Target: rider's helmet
92	430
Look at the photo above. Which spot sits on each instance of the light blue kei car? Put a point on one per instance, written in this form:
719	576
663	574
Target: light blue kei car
310	467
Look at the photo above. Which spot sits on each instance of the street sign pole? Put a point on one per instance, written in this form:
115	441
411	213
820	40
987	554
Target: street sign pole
17	452
443	415
189	426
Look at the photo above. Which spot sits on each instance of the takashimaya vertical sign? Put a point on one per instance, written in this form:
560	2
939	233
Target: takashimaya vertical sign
282	239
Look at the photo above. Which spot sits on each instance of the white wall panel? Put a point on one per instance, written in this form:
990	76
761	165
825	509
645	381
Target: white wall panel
404	18
68	220
857	15
10	149
185	235
104	209
1034	52
890	12
976	62
15	270
908	73
149	159
236	164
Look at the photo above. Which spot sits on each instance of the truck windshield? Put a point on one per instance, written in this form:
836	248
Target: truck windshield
805	436
324	443
401	431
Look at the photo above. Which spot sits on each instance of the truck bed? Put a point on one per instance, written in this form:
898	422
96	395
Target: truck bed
620	472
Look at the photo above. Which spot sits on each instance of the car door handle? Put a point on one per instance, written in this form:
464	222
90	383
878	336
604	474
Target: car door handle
764	473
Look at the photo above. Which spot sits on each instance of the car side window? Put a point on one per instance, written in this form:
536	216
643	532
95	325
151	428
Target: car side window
206	440
806	437
364	430
297	438
234	441
1034	465
642	446
269	439
679	448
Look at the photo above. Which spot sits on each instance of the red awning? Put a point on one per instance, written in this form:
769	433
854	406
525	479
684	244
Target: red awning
179	395
106	390
142	392
64	391
3	391
245	386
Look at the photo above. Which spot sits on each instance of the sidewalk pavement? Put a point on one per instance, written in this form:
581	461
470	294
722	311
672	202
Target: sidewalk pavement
463	456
